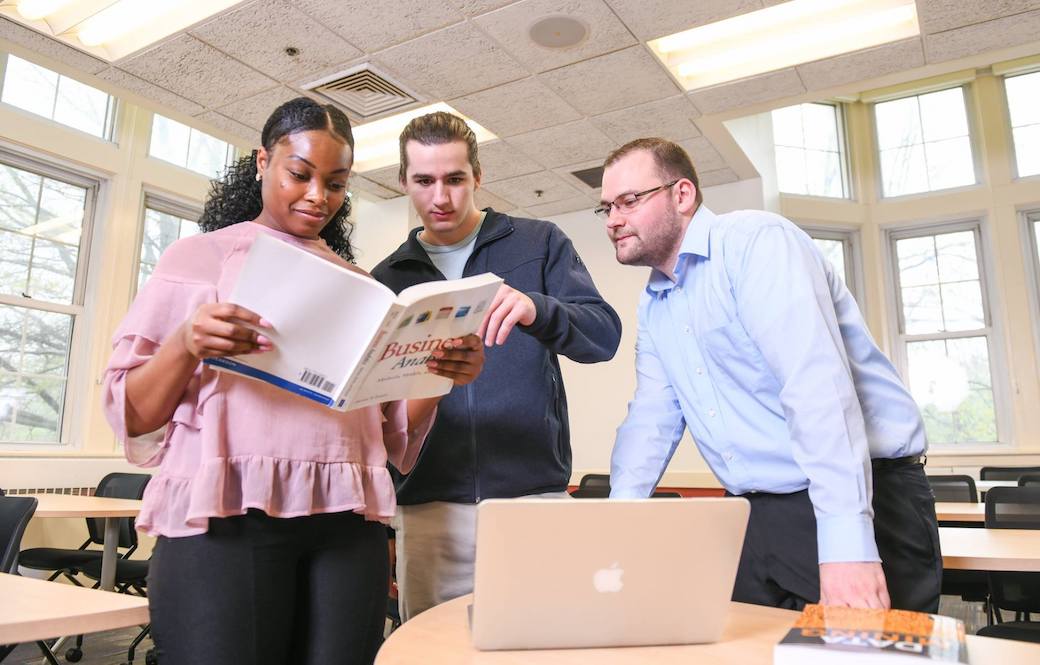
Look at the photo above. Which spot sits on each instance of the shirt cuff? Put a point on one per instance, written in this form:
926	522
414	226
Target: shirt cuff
846	538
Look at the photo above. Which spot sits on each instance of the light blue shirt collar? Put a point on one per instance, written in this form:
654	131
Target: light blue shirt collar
694	243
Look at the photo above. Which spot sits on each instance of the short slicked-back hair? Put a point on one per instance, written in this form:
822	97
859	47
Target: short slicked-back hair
435	129
672	161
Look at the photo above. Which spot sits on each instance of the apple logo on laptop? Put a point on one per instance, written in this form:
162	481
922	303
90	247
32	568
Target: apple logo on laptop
608	580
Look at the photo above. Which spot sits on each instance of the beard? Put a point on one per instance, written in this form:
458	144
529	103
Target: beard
654	244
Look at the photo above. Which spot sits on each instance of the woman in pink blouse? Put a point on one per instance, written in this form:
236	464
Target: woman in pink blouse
268	507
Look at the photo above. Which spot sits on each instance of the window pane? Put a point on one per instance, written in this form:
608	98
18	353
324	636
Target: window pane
820	122
962	306
950	163
917	261
160	231
206	154
957	259
81	107
19	197
787	127
943	115
34	348
790	170
169	140
823	172
834	252
808	150
29	86
922	310
1027	149
1022	93
952	383
904	171
898	123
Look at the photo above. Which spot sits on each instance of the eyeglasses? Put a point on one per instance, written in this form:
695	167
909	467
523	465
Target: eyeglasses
629	202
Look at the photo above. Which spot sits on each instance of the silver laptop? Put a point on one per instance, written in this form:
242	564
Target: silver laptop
563	573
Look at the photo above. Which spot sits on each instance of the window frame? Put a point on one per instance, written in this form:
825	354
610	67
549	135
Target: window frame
1006	105
852	241
1030	246
230	156
844	156
163	203
77	375
108	135
973	142
993	332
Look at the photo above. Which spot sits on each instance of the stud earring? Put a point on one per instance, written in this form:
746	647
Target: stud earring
258	177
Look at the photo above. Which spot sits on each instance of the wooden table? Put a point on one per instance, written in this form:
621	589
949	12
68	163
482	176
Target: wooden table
1012	550
440	636
67	505
960	512
34	609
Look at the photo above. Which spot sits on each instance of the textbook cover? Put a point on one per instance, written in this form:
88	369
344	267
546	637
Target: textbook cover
343	339
866	637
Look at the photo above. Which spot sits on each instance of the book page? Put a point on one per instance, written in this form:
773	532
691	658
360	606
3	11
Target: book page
323	318
437	312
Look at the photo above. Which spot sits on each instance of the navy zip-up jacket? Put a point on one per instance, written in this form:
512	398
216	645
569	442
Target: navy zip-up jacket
506	434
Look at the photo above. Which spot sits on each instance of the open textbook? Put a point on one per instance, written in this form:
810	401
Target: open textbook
343	339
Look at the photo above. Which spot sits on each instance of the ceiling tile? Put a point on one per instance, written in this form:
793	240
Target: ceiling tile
485	199
376	24
195	70
670	118
745	92
478	7
255	110
500	160
565	144
590	193
522	191
650	19
862	65
16	33
388	177
617	80
981	37
280	25
469	61
704	155
938	15
717	177
150	92
510	25
361	184
543	210
497	108
245	136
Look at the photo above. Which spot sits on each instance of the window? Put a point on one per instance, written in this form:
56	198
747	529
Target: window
1022	93
164	223
44	226
924	143
58	98
810	150
945	333
188	147
838	247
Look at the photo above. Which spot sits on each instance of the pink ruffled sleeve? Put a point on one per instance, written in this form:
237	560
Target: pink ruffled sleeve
167	299
403	445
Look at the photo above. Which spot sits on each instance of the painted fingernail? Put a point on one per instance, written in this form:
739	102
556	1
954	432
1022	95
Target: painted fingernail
263	341
432	363
264	323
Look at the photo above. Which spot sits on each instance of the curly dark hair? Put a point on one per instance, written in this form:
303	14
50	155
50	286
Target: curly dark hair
235	196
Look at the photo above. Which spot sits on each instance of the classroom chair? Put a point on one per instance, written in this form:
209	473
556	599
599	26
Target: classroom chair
954	488
593	486
1006	472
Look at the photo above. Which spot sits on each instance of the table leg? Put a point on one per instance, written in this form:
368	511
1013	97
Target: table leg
108	559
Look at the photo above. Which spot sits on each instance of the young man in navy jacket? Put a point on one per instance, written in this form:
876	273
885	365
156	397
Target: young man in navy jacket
506	434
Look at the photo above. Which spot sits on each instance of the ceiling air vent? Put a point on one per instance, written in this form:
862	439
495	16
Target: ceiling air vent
592	177
363	93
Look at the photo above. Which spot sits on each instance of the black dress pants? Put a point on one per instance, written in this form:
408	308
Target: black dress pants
779	565
261	590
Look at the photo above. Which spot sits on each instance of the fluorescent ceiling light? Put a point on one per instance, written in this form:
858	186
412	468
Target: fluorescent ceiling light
781	36
111	29
376	142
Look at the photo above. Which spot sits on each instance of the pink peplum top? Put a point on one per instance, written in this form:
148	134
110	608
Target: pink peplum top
234	443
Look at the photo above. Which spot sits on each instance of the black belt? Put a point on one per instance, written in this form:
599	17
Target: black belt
894	462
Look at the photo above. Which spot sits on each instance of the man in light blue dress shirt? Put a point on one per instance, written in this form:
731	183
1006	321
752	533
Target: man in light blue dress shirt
748	338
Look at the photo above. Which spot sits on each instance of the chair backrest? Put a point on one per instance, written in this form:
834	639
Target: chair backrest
122	486
1014	508
666	495
1029	480
590	480
1006	472
955	488
15	513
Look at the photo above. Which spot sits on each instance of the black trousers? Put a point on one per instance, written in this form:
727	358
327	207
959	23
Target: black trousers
271	591
779	565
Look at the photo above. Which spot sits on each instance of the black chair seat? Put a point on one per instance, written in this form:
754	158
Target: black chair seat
128	571
1023	631
55	558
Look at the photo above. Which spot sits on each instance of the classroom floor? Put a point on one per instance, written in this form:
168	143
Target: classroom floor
109	648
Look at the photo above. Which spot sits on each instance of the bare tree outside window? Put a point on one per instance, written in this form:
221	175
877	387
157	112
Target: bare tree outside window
161	229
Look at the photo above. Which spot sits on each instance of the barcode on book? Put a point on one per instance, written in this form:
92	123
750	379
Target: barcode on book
317	381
